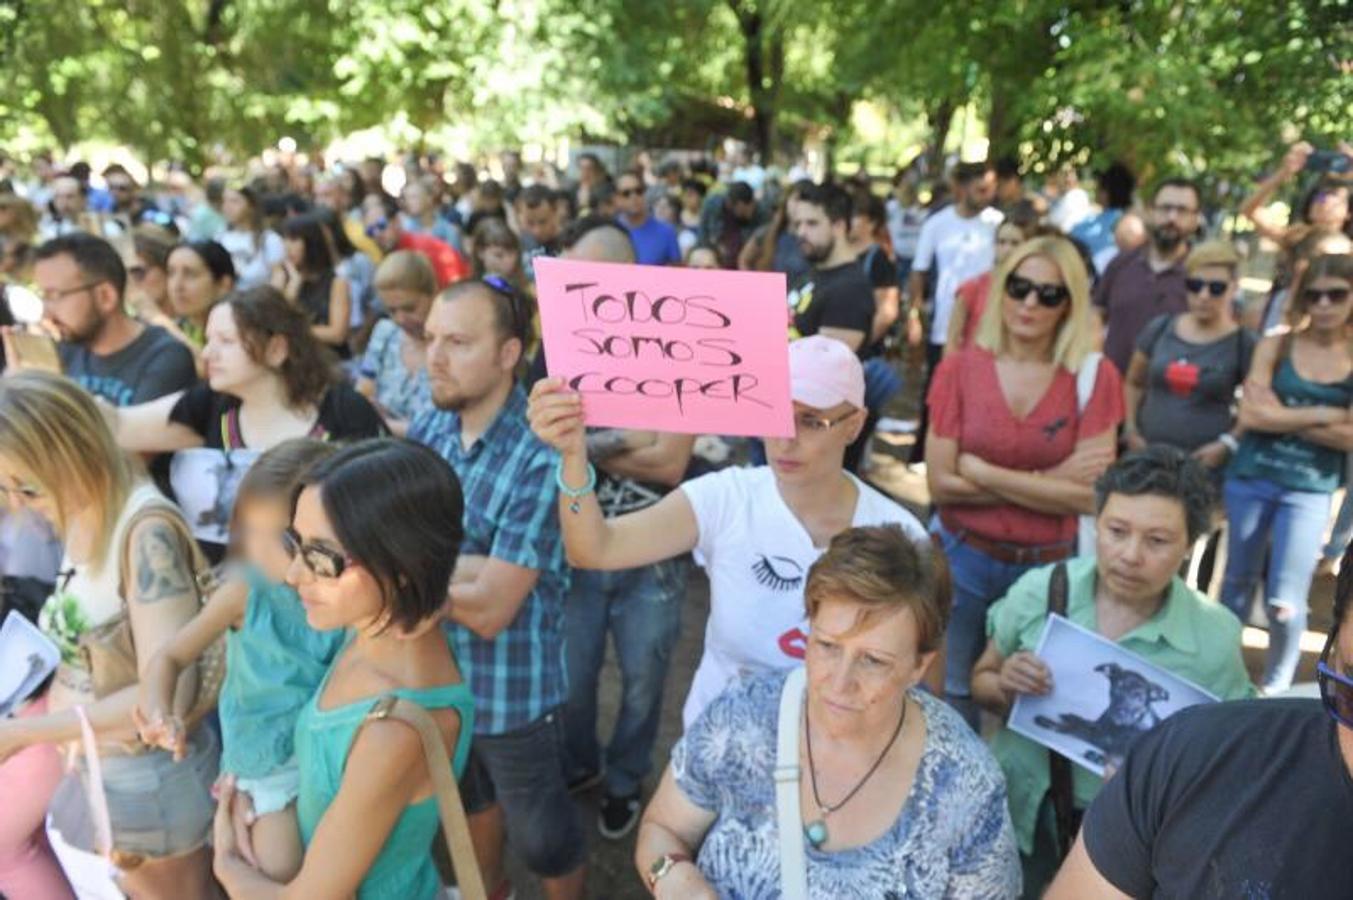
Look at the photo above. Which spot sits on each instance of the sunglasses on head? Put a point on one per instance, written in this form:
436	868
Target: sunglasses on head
1336	688
1312	296
1052	296
1197	285
323	562
500	286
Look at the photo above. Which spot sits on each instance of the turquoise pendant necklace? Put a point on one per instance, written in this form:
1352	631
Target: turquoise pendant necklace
816	830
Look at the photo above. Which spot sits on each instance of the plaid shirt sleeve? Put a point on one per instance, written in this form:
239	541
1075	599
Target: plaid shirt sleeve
528	534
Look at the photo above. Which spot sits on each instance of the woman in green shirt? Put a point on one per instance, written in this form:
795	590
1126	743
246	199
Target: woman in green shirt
1152	505
374	537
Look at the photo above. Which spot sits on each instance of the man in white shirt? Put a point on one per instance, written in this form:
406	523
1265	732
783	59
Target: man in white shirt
956	243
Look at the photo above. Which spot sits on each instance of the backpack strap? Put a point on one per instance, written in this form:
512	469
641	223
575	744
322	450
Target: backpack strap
1059	767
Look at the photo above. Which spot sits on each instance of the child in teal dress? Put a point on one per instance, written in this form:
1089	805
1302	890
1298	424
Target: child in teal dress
274	660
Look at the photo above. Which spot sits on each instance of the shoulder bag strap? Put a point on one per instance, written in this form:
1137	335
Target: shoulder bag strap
1086	377
793	858
1059	767
455	827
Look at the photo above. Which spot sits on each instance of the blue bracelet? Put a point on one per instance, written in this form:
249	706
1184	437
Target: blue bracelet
575	493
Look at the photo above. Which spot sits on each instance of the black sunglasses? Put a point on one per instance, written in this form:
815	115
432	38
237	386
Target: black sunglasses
323	562
1312	296
1336	689
515	303
1052	296
629	192
1215	288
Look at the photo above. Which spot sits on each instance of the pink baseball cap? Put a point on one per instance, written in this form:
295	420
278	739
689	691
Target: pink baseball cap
824	372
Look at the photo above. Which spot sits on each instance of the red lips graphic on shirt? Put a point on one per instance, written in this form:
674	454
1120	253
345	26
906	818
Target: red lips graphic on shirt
1181	376
794	643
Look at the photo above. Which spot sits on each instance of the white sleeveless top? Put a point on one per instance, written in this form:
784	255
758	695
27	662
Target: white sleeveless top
86	597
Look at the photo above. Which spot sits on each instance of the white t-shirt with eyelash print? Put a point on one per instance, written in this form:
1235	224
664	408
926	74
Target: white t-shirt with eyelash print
757	556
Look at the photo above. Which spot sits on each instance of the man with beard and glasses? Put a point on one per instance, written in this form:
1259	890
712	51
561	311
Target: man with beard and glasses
1149	281
506	601
1244	799
82	280
835	299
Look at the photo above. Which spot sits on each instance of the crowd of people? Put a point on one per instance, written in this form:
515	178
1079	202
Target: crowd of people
279	448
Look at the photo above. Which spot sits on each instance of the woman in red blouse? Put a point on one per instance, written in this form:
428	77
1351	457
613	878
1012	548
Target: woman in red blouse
1013	456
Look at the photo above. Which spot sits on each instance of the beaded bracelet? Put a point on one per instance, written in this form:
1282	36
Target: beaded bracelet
575	493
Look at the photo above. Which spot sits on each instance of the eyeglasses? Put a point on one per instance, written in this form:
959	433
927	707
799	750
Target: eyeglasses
1174	209
515	303
629	192
1050	295
137	273
24	492
55	296
377	227
1336	688
1312	296
808	422
1215	288
323	562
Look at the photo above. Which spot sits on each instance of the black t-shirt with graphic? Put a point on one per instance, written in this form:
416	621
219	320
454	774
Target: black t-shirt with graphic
839	297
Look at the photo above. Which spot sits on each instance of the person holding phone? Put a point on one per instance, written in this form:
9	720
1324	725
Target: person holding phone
1325	206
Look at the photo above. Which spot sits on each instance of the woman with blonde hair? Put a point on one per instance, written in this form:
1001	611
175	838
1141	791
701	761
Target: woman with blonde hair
1022	424
394	369
128	570
18	232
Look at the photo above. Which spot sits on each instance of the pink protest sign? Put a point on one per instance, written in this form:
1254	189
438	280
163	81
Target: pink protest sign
685	350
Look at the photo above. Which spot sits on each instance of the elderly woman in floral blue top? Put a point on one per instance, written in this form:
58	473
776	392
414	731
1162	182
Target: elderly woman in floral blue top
898	797
394	369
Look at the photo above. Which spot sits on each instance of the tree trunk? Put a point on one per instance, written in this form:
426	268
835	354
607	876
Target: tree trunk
765	62
940	116
1004	141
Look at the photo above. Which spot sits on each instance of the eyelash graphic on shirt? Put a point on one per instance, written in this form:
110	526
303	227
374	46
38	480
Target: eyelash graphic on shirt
1050	430
772	578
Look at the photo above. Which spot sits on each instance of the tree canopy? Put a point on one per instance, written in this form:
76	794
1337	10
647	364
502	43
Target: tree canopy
1207	85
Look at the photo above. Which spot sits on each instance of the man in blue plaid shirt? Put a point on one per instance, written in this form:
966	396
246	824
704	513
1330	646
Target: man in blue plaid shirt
506	598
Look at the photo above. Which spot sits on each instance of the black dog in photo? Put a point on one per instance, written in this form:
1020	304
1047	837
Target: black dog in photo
1129	715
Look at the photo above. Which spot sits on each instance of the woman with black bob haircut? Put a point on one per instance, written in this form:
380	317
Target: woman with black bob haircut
374	538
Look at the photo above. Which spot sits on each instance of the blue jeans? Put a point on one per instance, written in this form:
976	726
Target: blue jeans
1256	510
641	608
979	581
1343	528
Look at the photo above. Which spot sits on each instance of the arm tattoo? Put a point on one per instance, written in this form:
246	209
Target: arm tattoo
162	571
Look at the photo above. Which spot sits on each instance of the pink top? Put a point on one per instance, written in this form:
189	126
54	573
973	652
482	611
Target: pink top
968	405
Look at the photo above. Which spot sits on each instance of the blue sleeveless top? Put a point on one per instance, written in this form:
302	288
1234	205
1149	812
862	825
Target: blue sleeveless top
274	663
1290	460
404	870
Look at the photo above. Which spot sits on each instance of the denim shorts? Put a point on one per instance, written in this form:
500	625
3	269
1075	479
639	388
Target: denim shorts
157	807
522	771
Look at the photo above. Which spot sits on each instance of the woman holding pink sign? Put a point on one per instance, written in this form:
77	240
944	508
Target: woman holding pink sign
755	531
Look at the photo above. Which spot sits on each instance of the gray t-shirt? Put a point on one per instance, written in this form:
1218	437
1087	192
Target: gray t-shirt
1190	388
149	367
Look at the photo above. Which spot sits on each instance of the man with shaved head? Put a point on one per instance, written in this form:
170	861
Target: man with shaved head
505	604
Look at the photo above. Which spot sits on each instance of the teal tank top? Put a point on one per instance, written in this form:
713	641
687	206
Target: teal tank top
274	663
1288	459
404	870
